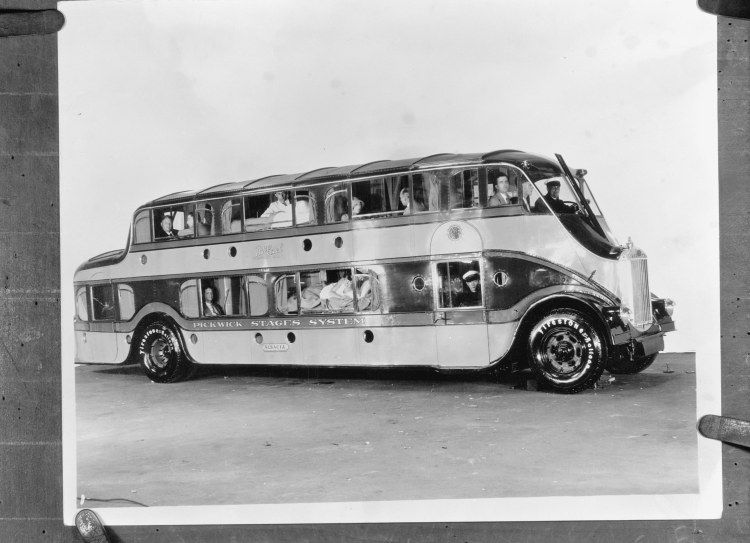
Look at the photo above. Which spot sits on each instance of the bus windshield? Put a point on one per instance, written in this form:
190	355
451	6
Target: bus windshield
553	193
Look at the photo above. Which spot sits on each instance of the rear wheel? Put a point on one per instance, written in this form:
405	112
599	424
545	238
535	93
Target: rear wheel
566	352
624	366
161	355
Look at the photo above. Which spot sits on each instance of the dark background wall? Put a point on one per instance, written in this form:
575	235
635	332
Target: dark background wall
30	403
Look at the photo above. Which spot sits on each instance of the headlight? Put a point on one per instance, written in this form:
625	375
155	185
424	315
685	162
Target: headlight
669	306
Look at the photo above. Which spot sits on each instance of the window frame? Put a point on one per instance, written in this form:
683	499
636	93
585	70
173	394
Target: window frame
115	306
437	283
85	290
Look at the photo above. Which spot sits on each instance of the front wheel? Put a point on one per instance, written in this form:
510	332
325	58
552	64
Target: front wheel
161	354
566	352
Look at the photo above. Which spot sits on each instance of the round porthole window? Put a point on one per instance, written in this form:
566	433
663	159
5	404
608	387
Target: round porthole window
306	244
500	278
338	242
291	337
258	338
417	283
233	251
144	259
369	336
206	254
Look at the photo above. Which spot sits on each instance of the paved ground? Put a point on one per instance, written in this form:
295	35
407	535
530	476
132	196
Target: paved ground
250	435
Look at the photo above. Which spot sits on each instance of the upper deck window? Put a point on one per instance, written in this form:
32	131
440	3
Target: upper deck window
142	227
173	222
463	189
271	210
426	192
502	186
305	209
231	216
205	224
336	203
380	197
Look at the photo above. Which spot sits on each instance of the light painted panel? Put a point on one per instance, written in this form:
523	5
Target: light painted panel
500	338
462	346
398	346
96	347
221	347
330	347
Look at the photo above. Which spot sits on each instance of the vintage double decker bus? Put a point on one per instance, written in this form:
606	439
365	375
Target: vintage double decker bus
454	261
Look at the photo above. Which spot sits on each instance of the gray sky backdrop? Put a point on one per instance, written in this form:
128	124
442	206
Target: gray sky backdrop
157	97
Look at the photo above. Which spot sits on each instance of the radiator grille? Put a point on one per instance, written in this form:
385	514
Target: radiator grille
641	294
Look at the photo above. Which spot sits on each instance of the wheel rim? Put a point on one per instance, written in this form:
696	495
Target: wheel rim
159	355
562	352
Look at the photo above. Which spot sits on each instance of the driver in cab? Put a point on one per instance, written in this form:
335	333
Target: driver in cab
553	200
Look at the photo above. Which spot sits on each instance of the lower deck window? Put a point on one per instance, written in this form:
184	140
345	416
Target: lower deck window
222	296
459	284
102	303
327	291
82	311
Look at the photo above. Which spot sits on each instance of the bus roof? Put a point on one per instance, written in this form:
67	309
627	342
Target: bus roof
385	167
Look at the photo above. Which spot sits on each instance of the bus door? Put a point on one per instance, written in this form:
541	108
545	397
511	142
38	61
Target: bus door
101	341
460	318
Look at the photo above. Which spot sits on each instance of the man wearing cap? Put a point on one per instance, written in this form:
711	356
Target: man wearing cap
553	200
472	295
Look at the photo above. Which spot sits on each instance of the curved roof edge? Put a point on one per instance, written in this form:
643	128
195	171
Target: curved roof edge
332	173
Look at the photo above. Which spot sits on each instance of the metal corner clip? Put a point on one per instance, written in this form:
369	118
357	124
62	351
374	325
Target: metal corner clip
23	22
739	9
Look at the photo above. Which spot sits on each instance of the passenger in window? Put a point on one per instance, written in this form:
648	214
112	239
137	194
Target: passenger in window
553	200
357	207
502	196
310	300
404	197
280	210
338	295
472	294
187	232
166	228
211	308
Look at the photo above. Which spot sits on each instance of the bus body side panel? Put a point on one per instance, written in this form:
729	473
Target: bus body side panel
500	339
330	347
383	243
397	346
462	346
98	348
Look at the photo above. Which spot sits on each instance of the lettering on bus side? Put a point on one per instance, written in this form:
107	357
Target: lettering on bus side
268	250
318	322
